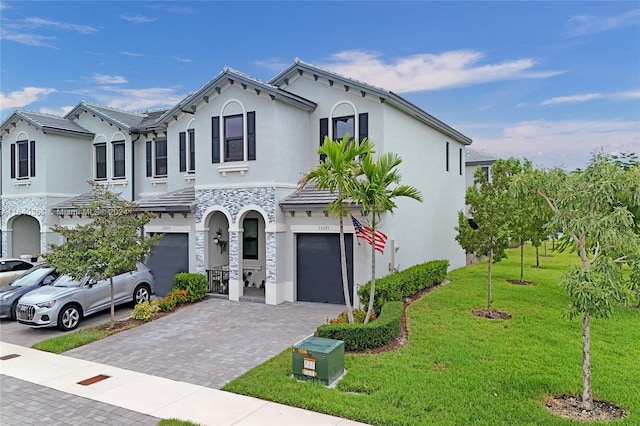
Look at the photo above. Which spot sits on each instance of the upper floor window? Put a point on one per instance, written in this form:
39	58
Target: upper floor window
344	125
23	159
485	171
238	143
250	239
156	158
460	162
118	160
188	151
101	161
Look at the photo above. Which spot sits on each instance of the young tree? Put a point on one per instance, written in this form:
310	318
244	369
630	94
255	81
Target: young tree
335	173
487	230
592	206
376	197
111	243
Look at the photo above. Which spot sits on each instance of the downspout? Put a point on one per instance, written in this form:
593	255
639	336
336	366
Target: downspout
133	167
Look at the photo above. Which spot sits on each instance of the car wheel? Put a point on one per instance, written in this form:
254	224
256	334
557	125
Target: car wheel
141	293
13	310
69	317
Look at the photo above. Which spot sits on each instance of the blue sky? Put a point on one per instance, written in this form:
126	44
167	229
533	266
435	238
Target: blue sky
549	81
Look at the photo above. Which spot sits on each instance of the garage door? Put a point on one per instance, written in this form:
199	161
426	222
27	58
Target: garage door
169	257
319	277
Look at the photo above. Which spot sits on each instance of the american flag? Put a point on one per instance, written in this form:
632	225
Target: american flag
364	232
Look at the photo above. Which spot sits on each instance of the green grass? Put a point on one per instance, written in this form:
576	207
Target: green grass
68	341
176	422
460	369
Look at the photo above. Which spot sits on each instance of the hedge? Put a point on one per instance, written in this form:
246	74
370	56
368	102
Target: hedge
195	284
374	334
406	283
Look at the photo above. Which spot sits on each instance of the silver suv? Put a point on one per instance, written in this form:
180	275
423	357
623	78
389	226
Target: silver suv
66	301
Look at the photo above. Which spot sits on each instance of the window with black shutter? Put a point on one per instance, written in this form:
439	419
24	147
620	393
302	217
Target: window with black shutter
324	132
161	158
447	157
149	159
460	161
183	151
251	135
23	159
13	161
118	160
233	138
363	126
215	139
32	158
101	161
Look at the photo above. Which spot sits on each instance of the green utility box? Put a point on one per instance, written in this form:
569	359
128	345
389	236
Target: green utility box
317	358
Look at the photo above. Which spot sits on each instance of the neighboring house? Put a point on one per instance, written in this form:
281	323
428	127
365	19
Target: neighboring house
221	169
477	160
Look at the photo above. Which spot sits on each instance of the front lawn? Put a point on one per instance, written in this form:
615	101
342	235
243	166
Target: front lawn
457	368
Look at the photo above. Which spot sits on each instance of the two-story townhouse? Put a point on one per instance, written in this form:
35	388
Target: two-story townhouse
477	159
221	169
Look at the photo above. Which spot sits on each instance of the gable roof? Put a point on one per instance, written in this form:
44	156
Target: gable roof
180	201
47	123
125	120
231	76
310	198
477	158
299	67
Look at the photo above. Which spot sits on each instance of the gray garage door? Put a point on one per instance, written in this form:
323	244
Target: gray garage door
169	257
319	277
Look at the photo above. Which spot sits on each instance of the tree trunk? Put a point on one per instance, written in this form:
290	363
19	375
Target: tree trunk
521	261
587	396
372	293
489	283
345	278
113	305
538	256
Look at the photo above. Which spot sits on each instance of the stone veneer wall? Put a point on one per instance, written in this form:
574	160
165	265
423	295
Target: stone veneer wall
235	200
35	207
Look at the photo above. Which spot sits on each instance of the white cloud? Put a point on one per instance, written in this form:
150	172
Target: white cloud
40	22
146	55
20	98
588	24
108	79
35	40
133	99
567	143
457	68
573	99
272	64
4	6
138	19
61	112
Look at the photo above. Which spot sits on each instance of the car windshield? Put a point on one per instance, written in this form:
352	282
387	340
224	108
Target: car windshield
66	281
31	277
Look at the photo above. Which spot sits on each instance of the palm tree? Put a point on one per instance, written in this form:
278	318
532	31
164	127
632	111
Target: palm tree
376	197
337	169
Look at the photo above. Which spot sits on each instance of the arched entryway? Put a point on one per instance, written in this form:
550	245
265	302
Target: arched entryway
217	253
25	236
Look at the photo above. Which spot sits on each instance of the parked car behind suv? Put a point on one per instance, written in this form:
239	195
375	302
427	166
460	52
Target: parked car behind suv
30	280
67	301
10	269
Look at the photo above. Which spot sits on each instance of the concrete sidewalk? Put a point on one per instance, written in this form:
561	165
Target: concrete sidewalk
154	396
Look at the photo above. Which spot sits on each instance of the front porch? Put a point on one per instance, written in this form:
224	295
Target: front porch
218	279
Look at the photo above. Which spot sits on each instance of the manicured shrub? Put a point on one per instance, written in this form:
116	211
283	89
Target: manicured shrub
167	304
405	283
195	284
358	317
145	311
374	334
173	299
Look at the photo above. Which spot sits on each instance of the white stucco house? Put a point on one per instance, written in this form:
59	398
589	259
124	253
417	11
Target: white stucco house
220	169
477	160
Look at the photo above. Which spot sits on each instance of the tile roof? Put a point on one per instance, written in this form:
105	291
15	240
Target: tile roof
48	123
180	201
309	198
479	157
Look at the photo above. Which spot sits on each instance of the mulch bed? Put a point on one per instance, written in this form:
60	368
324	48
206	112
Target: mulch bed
493	314
569	406
518	282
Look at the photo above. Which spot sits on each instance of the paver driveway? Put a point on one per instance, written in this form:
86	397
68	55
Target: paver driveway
209	343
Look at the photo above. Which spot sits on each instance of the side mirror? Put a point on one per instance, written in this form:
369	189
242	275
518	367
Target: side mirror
92	282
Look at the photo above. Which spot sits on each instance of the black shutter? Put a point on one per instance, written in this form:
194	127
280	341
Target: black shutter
251	135
183	152
324	131
13	161
32	158
363	126
215	139
192	150
447	157
149	160
460	162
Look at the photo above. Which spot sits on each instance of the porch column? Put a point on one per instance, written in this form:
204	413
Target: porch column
200	251
271	293
235	284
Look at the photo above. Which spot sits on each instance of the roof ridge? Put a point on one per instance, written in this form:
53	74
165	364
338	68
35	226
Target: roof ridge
92	104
